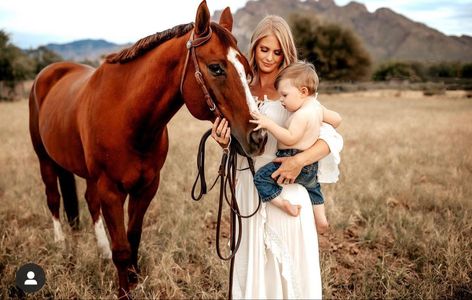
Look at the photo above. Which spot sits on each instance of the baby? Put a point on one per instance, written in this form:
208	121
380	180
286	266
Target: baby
297	85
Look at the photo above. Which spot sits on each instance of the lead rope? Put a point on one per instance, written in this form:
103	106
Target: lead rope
227	175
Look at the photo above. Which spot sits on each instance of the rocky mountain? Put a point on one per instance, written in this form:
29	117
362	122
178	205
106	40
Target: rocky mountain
386	34
85	49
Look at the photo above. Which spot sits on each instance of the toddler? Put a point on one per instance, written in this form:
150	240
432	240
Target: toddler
297	84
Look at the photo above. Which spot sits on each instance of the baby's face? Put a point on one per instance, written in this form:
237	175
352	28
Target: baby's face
292	98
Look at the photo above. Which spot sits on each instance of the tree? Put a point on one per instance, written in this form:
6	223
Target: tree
42	57
336	52
14	64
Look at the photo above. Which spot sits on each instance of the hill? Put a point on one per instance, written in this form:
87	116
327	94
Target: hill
85	49
386	34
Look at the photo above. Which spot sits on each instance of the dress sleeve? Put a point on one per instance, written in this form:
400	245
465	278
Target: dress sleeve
328	171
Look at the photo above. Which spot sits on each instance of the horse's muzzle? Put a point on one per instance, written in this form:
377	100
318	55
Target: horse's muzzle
257	141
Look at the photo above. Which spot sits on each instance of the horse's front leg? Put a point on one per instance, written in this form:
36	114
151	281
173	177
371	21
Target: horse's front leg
112	200
137	206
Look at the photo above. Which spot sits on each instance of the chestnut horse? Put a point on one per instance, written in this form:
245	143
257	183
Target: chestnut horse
108	125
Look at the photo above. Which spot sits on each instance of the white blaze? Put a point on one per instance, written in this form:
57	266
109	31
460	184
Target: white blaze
58	234
232	57
102	239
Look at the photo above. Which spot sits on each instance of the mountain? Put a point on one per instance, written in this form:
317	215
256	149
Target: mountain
85	49
386	34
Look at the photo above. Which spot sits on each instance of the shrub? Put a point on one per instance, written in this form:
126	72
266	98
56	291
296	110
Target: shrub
399	71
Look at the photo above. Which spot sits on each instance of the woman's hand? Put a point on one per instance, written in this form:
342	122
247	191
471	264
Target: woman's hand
221	132
288	171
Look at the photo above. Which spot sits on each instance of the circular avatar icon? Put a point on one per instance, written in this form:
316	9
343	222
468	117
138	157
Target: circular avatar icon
30	278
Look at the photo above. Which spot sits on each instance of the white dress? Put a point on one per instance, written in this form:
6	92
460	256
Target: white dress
278	257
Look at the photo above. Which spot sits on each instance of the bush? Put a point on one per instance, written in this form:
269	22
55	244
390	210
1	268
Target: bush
445	70
336	52
399	71
466	71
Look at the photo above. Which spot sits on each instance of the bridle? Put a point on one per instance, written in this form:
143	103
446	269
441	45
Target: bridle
227	169
191	45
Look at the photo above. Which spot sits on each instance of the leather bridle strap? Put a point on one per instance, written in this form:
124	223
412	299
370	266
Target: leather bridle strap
226	176
191	45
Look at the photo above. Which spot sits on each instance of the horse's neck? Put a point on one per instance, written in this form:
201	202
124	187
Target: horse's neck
156	97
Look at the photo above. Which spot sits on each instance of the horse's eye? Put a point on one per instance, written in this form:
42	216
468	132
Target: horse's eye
216	69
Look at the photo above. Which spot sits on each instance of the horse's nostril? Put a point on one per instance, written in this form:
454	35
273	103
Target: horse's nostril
258	137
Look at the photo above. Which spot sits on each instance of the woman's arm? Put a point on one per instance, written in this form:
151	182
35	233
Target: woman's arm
331	117
292	166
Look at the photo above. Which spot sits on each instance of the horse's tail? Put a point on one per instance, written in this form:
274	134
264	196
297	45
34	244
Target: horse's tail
49	168
69	197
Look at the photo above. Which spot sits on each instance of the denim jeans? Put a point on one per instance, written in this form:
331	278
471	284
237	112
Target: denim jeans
269	189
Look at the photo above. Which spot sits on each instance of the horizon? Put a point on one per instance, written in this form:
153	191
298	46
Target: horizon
27	31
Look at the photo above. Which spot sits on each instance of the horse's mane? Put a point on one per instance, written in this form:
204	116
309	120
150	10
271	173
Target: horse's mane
145	44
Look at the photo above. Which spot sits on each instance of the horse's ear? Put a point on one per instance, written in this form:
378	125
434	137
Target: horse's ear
202	20
226	19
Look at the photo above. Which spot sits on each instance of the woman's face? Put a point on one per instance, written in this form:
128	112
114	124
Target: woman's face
268	54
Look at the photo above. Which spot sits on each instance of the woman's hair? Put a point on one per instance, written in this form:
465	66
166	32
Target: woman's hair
278	27
301	74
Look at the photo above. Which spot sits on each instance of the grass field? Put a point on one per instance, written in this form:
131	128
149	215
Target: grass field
401	215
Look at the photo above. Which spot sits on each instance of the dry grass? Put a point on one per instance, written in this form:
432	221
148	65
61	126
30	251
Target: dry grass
401	214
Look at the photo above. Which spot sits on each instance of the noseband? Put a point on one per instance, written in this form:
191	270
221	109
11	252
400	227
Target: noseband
191	45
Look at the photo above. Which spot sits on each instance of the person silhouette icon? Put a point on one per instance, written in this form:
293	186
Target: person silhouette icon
30	280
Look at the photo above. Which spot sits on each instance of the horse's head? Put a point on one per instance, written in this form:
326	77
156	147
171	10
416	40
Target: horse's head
223	88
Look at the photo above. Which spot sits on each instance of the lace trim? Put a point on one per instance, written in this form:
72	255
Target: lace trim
280	252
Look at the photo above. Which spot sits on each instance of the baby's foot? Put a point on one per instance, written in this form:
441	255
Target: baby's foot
289	208
322	226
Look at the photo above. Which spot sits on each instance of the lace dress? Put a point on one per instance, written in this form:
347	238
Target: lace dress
278	257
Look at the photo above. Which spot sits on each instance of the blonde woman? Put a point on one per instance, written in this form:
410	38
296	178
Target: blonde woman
278	256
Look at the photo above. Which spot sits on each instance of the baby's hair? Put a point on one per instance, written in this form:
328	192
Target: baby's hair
301	74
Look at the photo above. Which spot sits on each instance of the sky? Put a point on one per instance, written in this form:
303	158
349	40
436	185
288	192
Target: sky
31	23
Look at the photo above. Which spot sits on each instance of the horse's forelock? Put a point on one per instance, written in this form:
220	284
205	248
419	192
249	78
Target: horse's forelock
148	43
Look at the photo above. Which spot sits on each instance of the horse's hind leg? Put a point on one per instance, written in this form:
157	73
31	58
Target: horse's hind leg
137	206
93	203
49	176
69	196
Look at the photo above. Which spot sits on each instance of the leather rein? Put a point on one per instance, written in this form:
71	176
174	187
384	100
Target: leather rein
227	169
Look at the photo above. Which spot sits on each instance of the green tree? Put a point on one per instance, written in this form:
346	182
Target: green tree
336	52
42	57
14	64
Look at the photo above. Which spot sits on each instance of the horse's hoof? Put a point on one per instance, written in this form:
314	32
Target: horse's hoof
133	277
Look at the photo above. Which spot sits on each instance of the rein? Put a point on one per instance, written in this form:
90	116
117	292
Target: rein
226	176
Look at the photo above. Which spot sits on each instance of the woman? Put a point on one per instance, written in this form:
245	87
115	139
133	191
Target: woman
278	256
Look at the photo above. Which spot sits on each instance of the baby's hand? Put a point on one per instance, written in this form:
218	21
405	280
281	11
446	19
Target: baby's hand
261	120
